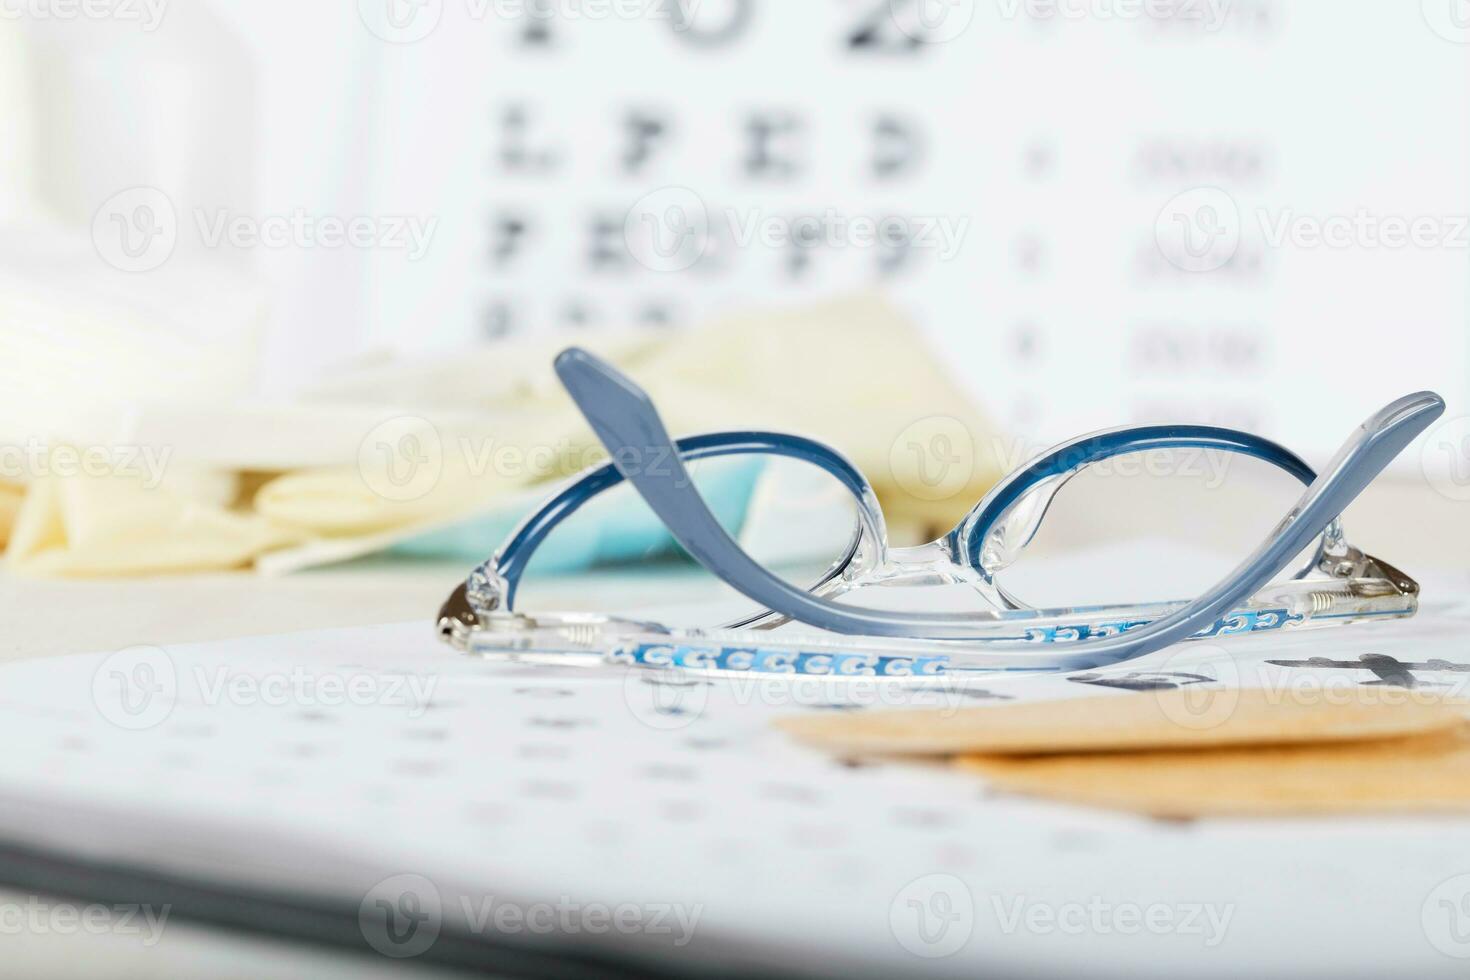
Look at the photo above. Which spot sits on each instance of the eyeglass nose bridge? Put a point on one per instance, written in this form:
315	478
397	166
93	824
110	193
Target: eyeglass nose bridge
998	529
920	565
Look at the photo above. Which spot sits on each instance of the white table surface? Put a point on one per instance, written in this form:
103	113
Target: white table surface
1404	522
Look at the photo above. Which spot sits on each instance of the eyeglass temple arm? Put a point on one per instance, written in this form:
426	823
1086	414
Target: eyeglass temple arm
627	423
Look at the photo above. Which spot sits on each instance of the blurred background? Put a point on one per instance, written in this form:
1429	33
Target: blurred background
280	282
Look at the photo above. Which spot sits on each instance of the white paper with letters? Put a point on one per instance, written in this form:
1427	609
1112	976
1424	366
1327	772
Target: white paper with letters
377	768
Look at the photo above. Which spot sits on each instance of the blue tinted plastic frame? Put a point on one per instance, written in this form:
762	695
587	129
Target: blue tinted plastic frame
629	427
510	563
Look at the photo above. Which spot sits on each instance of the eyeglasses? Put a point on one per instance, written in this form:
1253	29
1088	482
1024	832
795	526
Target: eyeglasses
1339	584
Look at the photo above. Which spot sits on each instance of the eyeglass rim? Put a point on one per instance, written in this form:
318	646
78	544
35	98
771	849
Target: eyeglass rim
1065	460
623	416
509	563
966	541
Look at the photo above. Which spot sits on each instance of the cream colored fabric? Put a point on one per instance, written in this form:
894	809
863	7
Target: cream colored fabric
118	524
10	497
382	453
412	473
854	374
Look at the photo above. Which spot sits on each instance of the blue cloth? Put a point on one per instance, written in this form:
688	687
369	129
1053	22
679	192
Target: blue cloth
616	527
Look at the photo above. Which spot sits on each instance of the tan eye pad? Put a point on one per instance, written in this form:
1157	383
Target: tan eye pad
1416	774
1198	717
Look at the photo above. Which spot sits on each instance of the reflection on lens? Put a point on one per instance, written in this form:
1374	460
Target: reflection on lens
1146	527
614	555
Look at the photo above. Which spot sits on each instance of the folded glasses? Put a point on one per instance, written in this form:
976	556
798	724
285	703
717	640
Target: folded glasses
1338	584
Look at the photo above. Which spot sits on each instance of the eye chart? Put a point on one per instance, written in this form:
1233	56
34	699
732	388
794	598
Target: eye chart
1243	212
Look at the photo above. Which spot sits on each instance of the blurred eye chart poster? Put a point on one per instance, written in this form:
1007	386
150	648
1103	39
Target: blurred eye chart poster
1253	214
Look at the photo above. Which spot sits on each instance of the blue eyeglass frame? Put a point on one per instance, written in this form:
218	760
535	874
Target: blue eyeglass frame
628	425
511	562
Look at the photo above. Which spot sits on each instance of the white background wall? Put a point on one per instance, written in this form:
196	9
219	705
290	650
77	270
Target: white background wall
1055	146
